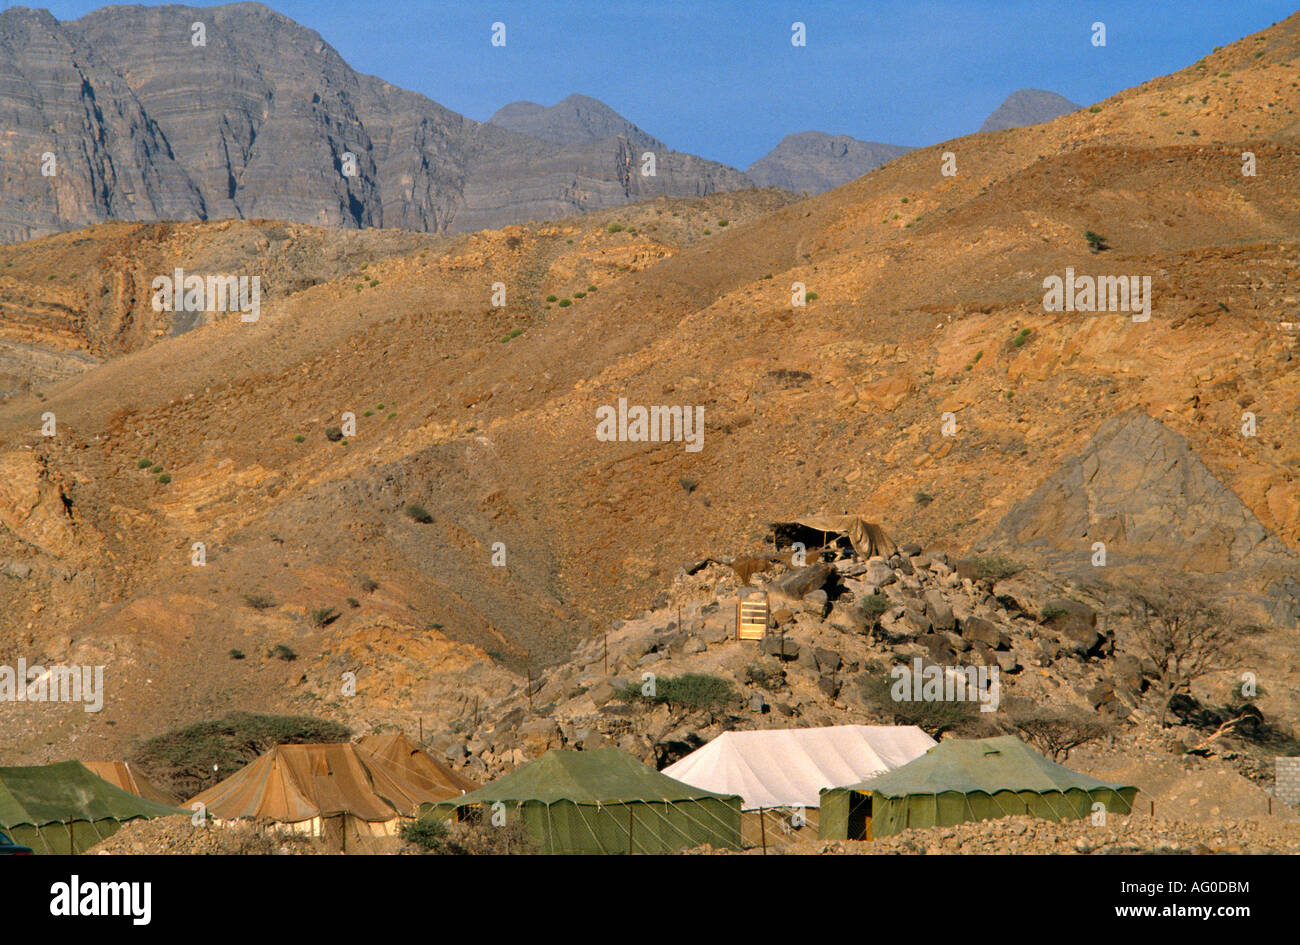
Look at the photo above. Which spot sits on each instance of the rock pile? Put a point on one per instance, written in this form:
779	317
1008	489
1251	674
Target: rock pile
834	626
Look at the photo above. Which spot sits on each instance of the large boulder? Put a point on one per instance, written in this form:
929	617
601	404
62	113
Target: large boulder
790	589
939	611
985	632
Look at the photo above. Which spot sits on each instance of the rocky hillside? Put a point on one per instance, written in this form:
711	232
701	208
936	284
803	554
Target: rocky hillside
923	383
1028	107
266	120
814	162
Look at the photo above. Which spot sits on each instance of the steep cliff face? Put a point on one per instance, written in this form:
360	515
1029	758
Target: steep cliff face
266	120
78	146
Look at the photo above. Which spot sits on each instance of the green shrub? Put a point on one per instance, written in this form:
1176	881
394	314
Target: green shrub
811	297
922	498
615	228
164	479
300	438
580	295
236	654
551	298
418	513
1096	242
323	616
282	652
259	601
565	303
690	691
723	222
1095	109
1020	339
427	834
591	288
874	606
143	463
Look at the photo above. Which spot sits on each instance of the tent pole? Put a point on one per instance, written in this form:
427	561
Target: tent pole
762	828
629	829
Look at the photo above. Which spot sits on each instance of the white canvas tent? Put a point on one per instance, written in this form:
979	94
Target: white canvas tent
788	767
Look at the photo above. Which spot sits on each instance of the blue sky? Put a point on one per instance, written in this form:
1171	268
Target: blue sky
720	78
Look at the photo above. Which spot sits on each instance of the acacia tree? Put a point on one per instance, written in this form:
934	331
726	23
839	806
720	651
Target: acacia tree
1182	635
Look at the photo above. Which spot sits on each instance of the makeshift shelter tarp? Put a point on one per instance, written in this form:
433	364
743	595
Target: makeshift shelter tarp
66	808
602	801
867	538
121	774
297	783
789	767
967	779
397	751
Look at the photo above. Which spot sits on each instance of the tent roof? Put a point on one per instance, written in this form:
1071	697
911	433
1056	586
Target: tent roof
65	793
293	783
788	767
868	538
981	765
397	751
121	774
599	776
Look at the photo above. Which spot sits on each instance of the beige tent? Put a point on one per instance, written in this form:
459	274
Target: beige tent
332	791
409	759
121	774
816	531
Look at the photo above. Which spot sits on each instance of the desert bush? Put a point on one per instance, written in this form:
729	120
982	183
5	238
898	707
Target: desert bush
181	760
615	228
1056	734
323	616
689	691
418	513
932	716
259	601
873	607
427	834
164	479
143	463
565	303
282	652
473	838
995	567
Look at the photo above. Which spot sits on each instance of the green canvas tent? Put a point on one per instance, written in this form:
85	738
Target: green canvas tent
966	779
67	808
600	801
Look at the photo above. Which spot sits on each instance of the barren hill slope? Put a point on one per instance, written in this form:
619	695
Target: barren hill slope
929	301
